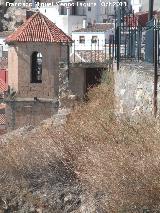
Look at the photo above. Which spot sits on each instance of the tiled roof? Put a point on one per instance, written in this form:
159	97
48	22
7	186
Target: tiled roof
140	18
2	117
38	28
3	86
102	27
3	89
2	121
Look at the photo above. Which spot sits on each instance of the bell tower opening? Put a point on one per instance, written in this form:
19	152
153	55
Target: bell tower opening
36	67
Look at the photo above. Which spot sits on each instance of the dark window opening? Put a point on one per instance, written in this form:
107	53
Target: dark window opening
82	39
74	10
36	67
93	77
89	8
94	39
63	10
105	20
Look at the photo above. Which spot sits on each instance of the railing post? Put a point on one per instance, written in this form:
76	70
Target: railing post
150	15
74	52
60	50
118	46
158	25
68	57
112	47
129	39
105	49
91	50
95	51
115	37
109	49
98	50
125	48
155	73
139	40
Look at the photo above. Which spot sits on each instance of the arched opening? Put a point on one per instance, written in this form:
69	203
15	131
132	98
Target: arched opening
36	67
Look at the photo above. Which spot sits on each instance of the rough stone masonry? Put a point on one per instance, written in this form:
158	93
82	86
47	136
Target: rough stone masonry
134	85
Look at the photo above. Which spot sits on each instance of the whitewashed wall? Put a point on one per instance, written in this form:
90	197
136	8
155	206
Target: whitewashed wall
88	37
51	12
101	11
67	23
145	5
2	43
136	5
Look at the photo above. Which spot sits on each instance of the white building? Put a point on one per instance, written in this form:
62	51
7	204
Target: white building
100	11
67	18
136	5
3	46
92	38
145	5
70	14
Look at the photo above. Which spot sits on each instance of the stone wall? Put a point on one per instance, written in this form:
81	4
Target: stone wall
134	89
19	69
77	81
21	113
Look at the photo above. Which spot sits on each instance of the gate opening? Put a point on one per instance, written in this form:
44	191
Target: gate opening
93	77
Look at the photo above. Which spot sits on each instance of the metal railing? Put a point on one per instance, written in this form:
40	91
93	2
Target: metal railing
89	51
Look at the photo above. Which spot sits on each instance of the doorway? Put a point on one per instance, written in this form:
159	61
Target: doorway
93	77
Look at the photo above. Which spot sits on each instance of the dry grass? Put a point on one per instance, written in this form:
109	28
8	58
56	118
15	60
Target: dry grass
116	162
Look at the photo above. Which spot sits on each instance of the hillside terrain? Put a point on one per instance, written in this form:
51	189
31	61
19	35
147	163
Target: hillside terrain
96	162
11	17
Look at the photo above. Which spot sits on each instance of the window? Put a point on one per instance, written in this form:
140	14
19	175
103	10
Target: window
105	20
94	39
89	8
81	39
36	67
63	10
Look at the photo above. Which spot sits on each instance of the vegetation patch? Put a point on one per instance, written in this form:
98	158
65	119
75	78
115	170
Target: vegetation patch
96	162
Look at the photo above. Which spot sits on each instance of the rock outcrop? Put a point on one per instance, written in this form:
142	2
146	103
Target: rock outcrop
11	17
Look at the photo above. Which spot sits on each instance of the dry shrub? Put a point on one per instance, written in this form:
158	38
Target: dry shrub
117	161
117	157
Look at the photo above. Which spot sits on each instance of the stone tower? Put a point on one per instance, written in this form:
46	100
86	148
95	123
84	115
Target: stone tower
35	52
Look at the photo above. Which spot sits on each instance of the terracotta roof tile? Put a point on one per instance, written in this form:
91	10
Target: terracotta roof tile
38	28
139	19
3	88
2	120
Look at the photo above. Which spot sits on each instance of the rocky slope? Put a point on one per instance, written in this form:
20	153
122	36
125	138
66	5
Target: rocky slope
11	17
